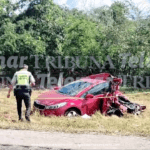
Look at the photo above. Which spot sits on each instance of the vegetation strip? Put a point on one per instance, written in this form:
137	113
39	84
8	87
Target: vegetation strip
127	125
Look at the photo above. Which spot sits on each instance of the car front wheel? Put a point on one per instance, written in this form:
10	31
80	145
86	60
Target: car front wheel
72	113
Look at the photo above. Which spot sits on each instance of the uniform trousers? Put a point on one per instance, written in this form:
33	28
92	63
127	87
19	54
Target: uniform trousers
22	94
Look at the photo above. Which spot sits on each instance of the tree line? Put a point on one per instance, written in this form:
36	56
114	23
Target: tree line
42	28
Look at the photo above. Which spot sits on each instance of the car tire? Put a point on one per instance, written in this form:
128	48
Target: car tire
72	113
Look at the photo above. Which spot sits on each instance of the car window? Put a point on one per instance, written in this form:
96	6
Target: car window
74	88
98	89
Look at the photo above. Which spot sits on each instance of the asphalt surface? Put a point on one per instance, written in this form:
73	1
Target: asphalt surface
12	147
35	140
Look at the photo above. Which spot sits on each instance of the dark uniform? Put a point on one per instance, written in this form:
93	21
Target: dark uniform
22	91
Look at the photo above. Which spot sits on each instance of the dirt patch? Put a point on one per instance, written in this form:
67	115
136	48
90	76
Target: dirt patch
24	139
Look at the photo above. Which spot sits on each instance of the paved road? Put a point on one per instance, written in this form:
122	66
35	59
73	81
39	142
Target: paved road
13	147
25	139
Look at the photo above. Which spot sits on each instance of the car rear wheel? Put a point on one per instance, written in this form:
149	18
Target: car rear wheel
72	113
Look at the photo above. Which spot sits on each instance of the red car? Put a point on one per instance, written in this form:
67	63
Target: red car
98	92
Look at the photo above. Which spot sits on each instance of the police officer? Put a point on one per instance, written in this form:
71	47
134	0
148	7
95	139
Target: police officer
23	80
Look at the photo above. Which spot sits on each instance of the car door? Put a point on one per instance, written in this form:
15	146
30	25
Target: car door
91	105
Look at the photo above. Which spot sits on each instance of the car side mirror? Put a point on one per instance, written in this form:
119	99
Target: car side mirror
89	96
56	88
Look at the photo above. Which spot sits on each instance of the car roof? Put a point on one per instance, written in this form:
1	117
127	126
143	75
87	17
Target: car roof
93	81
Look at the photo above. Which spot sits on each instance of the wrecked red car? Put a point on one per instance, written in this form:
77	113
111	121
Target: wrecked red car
98	92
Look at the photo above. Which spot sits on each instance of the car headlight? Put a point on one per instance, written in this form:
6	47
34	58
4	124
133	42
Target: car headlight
56	106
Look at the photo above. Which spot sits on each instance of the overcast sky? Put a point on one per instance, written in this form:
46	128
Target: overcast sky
144	5
87	4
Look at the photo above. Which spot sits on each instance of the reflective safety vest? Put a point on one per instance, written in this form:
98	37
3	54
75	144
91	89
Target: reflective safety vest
23	77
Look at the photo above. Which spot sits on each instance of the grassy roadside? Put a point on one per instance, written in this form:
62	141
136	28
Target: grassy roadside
127	125
131	90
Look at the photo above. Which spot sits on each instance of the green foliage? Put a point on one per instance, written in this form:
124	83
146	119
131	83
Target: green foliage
80	38
119	11
48	29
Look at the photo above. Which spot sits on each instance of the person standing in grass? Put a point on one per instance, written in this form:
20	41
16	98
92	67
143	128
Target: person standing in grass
23	80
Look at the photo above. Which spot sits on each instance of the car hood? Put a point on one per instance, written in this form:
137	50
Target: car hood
53	97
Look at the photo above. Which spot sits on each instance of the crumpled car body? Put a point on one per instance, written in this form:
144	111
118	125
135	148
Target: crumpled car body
93	93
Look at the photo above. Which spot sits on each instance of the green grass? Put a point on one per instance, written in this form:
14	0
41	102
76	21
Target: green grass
127	125
133	90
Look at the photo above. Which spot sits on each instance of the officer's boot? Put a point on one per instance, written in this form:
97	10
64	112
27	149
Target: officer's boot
27	118
20	118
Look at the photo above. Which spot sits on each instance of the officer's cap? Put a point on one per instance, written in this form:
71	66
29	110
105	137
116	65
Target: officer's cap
25	66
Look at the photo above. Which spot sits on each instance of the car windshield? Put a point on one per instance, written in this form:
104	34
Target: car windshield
74	88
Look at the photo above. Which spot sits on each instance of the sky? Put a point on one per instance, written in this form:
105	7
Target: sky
143	5
83	4
88	4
